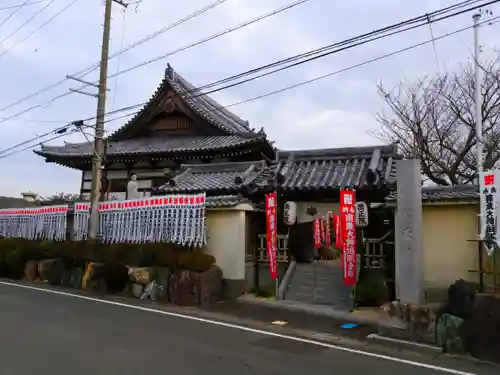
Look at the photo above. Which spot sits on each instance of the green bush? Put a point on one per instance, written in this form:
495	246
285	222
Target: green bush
14	253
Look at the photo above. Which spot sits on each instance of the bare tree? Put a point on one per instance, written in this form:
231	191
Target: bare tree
433	120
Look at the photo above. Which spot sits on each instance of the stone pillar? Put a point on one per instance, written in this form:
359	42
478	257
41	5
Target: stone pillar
409	256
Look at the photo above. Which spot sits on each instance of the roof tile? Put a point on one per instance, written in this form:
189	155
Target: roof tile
445	193
215	177
173	144
335	168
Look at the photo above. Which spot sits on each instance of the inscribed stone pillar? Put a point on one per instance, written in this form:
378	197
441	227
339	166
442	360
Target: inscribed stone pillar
409	257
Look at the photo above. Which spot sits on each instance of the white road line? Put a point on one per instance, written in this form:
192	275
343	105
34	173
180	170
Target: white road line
247	329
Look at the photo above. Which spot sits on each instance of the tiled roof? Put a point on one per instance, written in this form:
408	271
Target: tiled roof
221	201
445	193
172	144
216	177
336	168
199	103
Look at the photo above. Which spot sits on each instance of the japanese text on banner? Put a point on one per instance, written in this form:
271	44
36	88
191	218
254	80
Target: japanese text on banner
348	230
317	232
271	232
489	195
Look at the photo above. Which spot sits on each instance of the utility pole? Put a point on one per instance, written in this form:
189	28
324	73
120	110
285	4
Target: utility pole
99	128
477	97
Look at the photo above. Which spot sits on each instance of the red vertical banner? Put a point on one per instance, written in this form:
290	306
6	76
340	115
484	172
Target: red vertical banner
317	232
271	223
348	231
338	232
328	229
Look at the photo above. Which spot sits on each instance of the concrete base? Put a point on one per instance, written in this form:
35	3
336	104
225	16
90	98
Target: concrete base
233	289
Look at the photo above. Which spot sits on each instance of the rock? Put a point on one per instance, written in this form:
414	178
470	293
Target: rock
188	288
422	321
66	277
50	270
184	288
136	289
94	277
482	328
142	275
31	270
116	277
210	287
76	278
450	334
162	277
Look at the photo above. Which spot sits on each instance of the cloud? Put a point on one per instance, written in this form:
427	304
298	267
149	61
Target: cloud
334	112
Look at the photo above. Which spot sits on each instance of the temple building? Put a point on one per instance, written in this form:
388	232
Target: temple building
182	141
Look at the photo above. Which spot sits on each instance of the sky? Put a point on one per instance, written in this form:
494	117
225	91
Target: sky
337	111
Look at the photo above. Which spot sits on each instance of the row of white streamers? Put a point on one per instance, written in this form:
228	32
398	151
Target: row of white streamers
177	219
47	223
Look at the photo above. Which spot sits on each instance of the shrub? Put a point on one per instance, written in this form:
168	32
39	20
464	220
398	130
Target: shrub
196	261
14	264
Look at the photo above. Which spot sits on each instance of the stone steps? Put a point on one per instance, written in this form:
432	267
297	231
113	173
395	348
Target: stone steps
319	283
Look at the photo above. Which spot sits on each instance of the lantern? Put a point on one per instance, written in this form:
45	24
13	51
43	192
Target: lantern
290	213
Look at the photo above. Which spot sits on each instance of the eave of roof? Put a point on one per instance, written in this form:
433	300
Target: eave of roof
444	194
326	169
216	177
152	146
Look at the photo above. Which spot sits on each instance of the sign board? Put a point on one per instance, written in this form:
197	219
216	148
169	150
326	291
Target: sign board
489	186
348	229
361	214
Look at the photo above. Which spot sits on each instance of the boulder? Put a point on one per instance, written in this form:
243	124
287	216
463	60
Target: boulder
188	288
210	287
450	334
162	277
116	278
184	288
50	270
76	278
142	275
136	289
94	277
482	328
31	271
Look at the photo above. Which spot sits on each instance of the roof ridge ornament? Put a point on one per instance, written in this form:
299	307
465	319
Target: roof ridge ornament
170	72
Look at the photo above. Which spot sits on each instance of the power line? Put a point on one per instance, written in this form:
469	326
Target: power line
28	21
17	9
422	18
32	146
414	22
22	5
29	35
94	66
274	92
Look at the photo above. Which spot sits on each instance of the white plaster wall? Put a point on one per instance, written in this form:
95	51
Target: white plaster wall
226	241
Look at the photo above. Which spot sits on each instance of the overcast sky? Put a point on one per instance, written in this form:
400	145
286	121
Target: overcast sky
333	112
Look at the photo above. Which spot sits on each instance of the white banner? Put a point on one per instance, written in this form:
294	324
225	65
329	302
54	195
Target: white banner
489	195
177	219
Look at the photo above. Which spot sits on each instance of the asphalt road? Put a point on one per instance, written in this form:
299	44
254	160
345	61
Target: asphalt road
44	333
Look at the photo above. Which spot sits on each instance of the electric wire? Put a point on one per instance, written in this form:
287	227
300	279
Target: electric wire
28	20
33	32
97	64
320	52
489	22
22	5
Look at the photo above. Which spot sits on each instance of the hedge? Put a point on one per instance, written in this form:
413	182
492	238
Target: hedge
15	253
